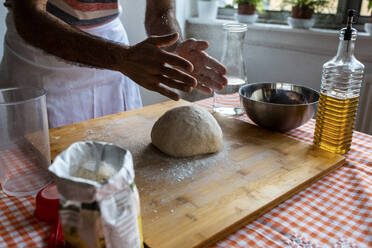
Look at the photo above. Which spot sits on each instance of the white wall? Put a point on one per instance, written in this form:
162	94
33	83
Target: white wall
133	18
3	12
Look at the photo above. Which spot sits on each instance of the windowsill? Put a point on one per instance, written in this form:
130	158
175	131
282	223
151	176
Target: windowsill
268	26
315	40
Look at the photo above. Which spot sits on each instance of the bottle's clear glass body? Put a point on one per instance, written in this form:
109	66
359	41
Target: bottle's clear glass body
233	60
339	95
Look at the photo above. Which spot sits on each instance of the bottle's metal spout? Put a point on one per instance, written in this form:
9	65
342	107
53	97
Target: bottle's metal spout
349	26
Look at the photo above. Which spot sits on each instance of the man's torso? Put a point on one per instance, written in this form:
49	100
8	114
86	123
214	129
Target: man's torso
81	13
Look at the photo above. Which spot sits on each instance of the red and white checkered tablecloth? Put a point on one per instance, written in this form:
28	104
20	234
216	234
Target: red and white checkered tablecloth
334	212
18	226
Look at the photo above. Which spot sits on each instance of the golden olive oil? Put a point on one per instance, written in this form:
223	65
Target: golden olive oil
342	80
335	123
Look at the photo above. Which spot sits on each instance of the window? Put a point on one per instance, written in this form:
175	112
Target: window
229	2
275	5
279	6
333	16
364	9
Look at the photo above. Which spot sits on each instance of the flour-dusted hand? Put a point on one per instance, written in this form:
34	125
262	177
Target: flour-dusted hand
208	71
152	67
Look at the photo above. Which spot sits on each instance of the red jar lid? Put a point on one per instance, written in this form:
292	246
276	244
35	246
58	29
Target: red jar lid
47	204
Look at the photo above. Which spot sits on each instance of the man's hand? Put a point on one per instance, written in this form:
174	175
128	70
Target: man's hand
208	71
152	67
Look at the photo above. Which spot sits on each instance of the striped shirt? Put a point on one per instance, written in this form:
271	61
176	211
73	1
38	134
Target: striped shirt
82	13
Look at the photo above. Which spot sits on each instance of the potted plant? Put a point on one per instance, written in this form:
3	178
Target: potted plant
247	10
368	26
303	11
207	9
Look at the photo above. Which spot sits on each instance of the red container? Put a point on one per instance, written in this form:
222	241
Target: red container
47	204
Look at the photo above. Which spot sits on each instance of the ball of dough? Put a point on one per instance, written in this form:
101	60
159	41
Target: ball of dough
187	131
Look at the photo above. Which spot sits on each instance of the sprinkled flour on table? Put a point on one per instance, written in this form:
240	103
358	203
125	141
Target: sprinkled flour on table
156	172
148	159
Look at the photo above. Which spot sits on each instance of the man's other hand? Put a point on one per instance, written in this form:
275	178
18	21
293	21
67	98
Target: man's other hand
208	71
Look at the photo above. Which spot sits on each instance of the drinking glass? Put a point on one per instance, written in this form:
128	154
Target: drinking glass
24	141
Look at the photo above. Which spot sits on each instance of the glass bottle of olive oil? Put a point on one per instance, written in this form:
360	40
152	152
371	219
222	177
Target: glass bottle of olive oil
339	94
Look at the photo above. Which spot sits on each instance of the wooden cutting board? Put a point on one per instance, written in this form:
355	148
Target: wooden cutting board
196	202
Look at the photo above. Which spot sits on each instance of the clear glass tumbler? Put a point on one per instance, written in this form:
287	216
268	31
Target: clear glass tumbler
233	59
24	142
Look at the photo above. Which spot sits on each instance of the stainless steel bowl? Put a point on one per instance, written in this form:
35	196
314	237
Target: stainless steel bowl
278	106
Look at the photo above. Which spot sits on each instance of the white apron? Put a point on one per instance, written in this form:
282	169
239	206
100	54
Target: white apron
74	93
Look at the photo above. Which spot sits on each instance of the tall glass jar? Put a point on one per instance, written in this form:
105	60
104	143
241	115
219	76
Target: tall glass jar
233	60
